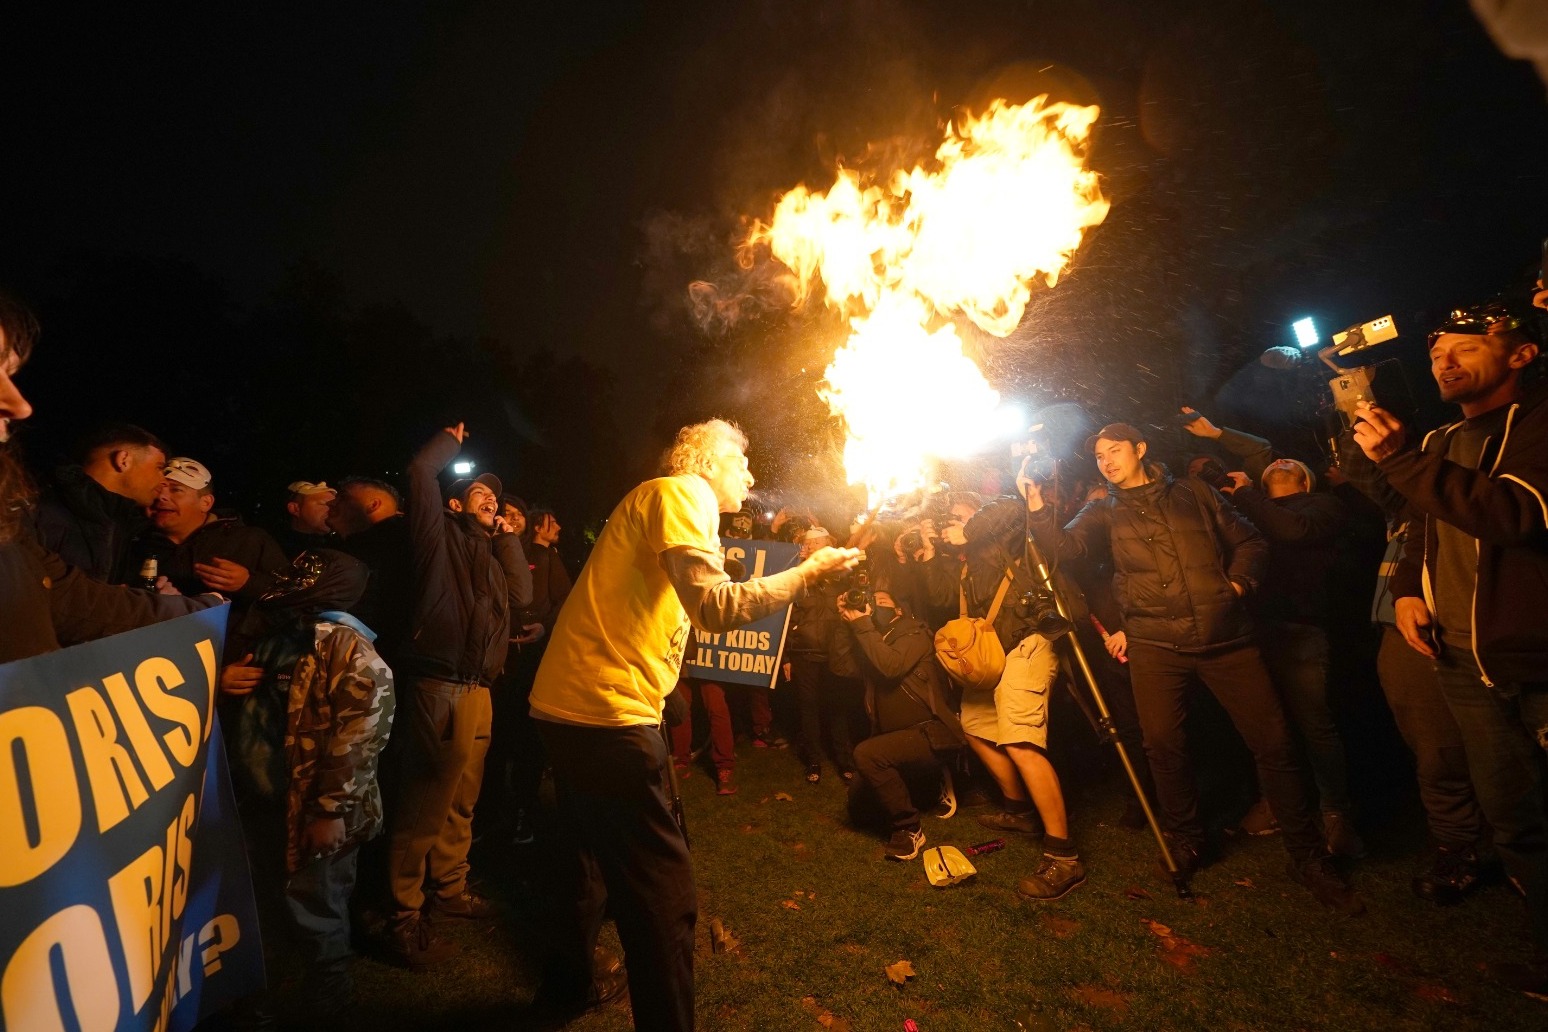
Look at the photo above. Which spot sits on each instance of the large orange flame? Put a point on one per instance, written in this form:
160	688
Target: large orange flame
1005	205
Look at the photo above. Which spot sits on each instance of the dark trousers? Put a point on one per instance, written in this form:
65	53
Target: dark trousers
823	698
1297	657
616	815
513	770
1236	676
883	761
318	899
1505	731
1413	692
443	735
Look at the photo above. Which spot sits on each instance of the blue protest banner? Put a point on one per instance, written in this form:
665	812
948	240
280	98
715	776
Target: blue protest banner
750	654
125	897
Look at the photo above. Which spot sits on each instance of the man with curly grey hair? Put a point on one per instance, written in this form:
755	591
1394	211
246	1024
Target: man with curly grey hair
655	574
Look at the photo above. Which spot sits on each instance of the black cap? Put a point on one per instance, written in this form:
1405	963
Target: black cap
459	488
1115	432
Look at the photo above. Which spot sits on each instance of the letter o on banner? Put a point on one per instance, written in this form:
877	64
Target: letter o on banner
27	999
54	796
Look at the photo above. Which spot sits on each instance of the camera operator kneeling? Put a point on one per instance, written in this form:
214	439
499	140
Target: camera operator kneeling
913	726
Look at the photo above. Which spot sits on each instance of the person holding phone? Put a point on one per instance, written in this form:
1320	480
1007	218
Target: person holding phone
1473	582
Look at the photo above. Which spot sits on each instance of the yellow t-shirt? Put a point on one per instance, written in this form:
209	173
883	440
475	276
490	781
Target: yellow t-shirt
617	646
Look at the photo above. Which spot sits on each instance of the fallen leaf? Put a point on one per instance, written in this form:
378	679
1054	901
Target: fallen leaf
1097	996
748	829
1436	994
1246	883
826	1018
721	941
1135	892
784	797
900	972
790	904
1176	950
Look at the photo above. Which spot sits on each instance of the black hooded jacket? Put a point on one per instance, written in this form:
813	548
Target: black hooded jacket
88	526
901	658
467	584
1177	547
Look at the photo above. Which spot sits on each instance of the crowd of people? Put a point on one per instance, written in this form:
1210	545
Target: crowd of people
395	656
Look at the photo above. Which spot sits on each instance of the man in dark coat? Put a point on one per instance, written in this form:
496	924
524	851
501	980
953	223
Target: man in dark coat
469	575
1472	585
96	508
1182	561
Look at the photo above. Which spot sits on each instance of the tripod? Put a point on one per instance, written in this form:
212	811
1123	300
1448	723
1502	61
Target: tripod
1035	562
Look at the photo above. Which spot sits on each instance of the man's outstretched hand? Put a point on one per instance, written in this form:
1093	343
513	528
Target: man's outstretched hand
829	560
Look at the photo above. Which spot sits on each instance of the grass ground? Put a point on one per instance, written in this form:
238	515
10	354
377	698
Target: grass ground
819	915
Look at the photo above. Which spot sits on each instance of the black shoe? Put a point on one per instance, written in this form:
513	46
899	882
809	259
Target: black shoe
1456	873
410	945
1026	822
1324	882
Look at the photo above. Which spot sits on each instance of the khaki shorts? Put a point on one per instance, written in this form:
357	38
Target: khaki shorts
1016	711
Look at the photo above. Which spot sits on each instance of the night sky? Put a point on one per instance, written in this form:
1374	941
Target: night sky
294	240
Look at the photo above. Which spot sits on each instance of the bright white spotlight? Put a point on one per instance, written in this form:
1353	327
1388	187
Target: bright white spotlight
462	468
1305	332
1010	420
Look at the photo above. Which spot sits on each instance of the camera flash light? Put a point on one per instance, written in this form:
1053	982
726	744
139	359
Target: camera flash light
1305	332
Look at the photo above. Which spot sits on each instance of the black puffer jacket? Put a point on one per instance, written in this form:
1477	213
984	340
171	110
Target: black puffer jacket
1177	546
814	620
88	526
1303	531
467	584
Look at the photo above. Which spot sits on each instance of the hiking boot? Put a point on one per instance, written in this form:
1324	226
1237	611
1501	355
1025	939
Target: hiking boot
1055	877
1328	886
410	945
1025	822
1455	874
466	906
1529	978
947	806
813	773
1343	841
521	830
723	783
1258	821
905	844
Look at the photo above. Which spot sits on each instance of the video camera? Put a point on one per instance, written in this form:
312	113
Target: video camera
1355	385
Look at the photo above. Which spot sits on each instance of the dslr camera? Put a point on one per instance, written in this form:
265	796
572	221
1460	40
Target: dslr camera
1038	608
856	585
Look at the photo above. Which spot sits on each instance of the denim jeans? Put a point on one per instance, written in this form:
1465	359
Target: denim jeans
1409	682
1503	729
1297	657
317	897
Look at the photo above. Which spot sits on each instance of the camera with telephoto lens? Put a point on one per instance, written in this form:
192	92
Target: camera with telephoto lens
1214	474
1038	608
856	585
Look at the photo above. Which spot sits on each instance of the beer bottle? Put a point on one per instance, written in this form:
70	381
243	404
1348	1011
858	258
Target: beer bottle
149	573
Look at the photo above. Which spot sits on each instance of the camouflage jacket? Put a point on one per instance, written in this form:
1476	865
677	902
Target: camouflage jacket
337	719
